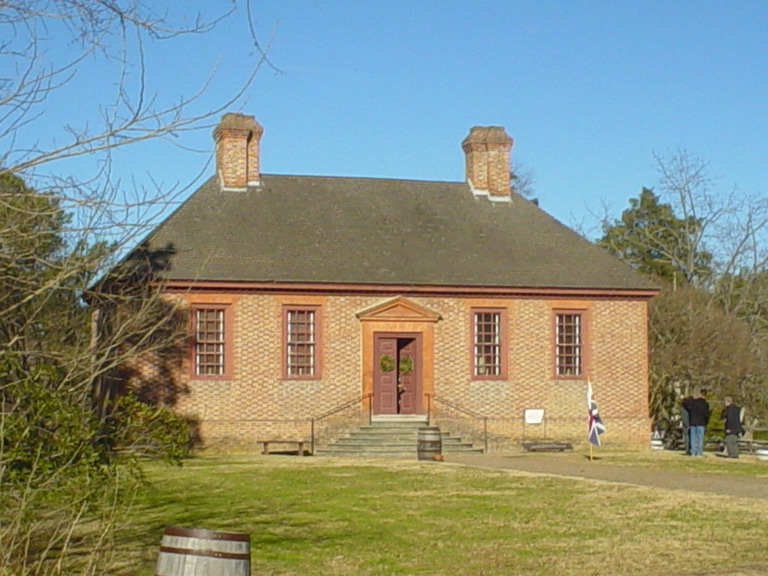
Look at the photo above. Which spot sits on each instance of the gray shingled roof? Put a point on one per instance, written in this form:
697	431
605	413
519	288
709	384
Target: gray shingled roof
312	229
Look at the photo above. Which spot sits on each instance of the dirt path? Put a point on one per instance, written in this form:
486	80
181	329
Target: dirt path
577	465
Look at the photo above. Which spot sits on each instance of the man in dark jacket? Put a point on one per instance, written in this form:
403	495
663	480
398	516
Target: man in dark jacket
733	429
685	422
698	410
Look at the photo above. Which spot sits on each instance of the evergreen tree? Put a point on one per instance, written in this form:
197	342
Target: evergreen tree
653	239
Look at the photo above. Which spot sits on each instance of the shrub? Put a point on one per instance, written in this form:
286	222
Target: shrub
146	430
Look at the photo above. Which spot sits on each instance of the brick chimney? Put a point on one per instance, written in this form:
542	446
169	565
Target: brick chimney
237	140
486	150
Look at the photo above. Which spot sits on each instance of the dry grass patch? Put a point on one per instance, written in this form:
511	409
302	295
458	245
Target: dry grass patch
313	516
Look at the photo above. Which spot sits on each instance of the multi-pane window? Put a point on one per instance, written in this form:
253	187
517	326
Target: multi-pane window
487	343
301	342
210	342
569	344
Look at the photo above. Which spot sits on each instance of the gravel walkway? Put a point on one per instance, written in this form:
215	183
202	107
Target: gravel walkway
571	464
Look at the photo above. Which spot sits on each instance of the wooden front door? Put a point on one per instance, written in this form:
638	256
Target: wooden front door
397	369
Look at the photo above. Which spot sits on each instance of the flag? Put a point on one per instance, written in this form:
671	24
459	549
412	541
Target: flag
596	426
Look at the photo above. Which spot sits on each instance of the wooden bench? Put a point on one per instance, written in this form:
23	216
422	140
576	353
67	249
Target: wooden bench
751	446
547	446
298	443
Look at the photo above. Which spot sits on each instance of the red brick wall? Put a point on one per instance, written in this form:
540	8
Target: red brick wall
257	403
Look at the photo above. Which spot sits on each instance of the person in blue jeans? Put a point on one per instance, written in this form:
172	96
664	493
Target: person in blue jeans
698	411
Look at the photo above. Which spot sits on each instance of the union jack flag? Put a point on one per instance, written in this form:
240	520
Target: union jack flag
596	426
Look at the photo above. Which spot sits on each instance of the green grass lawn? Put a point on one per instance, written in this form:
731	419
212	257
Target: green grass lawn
313	516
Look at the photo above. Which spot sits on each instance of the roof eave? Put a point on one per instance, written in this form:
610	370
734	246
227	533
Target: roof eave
177	286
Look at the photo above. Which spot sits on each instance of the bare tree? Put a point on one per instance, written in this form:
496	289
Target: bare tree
117	34
522	180
707	248
61	230
731	225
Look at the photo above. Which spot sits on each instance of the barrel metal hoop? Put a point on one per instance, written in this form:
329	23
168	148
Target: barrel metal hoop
206	553
206	534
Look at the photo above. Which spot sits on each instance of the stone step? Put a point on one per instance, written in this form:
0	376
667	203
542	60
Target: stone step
385	451
400	418
392	426
392	437
360	443
377	438
351	442
401	437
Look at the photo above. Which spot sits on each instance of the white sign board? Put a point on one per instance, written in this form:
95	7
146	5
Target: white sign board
534	416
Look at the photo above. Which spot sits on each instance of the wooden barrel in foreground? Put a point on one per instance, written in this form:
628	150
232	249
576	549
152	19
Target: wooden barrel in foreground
429	443
199	552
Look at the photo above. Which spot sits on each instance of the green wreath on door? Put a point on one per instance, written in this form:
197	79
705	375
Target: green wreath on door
387	363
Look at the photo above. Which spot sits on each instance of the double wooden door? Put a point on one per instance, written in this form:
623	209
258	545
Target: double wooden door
397	374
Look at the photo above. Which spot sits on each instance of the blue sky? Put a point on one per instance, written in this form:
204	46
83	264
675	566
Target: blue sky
589	90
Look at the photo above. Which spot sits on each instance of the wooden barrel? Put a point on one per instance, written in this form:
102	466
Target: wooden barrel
199	552
429	443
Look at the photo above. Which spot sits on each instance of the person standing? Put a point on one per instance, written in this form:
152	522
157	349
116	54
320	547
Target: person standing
698	410
685	421
733	429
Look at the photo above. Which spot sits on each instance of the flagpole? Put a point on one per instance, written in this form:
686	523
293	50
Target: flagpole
589	409
596	426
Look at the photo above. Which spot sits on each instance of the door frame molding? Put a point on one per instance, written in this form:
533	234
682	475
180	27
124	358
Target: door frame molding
399	316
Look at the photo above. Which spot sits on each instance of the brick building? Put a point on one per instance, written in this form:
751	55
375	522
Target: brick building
359	296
